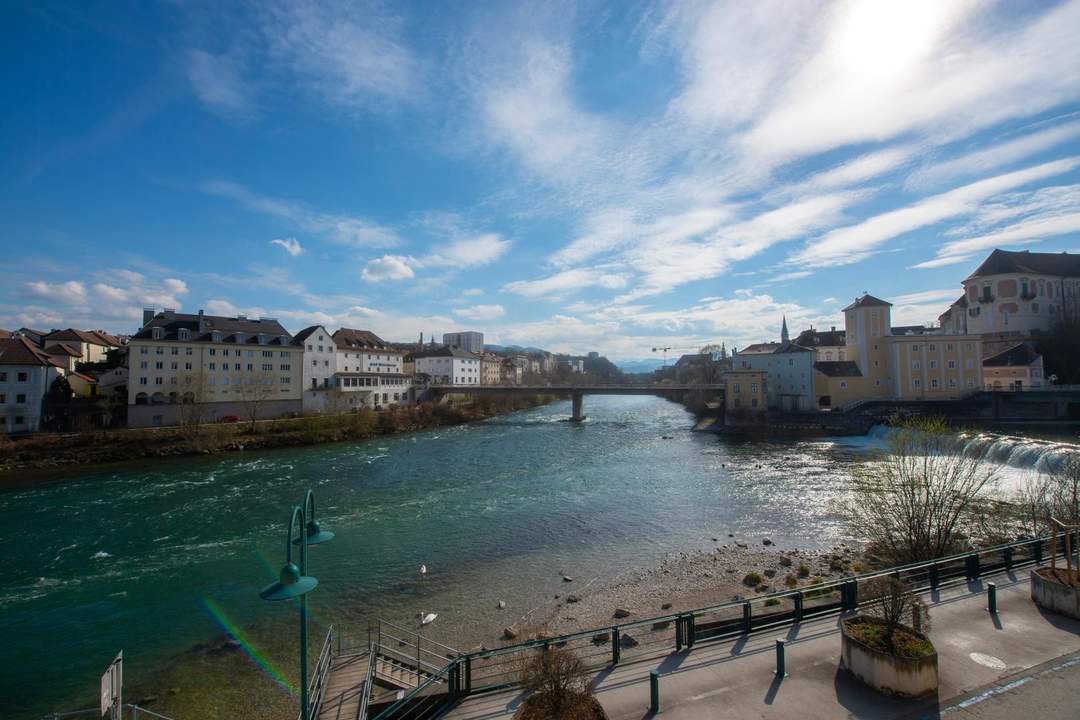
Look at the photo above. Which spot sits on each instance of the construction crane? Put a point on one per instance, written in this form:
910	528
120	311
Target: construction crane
671	347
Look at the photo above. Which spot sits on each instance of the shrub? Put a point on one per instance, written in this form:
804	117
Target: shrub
890	599
772	602
791	581
559	687
751	579
803	570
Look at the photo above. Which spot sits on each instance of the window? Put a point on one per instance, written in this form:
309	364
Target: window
142	381
251	366
184	334
158	381
159	351
143	364
933	364
213	351
952	364
1034	307
144	350
3	398
932	348
237	366
187	366
934	383
285	381
949	347
952	382
159	366
157	333
176	351
3	377
286	368
916	365
914	348
916	383
267	366
19	420
213	366
20	399
174	365
187	351
843	384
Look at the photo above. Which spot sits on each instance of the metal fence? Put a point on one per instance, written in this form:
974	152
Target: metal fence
500	668
134	712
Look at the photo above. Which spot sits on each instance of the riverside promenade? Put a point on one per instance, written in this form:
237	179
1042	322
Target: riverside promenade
990	666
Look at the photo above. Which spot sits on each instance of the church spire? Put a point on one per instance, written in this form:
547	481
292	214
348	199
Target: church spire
784	337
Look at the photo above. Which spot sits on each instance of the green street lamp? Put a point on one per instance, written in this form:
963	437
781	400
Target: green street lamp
293	582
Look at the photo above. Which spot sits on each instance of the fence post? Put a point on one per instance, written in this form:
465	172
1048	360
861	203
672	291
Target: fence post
454	681
691	630
679	634
1007	556
971	567
654	692
1038	551
991	598
780	658
468	674
615	649
746	616
935	576
798	599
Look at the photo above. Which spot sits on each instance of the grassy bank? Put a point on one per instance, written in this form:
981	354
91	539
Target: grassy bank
54	451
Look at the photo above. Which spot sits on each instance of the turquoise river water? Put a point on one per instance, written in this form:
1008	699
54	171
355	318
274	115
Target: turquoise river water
155	557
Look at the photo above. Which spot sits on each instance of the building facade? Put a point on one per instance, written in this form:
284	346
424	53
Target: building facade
370	372
490	369
789	369
745	392
1017	368
203	368
468	341
449	365
90	345
26	374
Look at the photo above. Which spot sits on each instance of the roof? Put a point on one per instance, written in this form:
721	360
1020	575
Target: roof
838	368
1019	355
350	339
446	351
867	300
20	351
238	329
4	333
694	359
61	349
759	349
300	337
909	330
791	347
1007	261
83	377
812	337
93	337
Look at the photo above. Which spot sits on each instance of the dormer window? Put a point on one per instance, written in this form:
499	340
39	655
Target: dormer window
239	337
262	339
158	333
184	334
215	336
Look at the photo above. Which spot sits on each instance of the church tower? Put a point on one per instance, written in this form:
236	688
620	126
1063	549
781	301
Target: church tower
784	337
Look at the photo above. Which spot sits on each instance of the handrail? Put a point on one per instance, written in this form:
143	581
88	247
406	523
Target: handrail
365	699
428	641
136	711
438	677
318	677
823	587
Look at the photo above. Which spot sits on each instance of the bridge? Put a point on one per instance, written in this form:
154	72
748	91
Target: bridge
576	393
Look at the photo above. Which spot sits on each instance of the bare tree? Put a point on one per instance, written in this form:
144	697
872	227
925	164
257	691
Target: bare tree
193	403
890	599
255	391
559	684
1054	492
917	500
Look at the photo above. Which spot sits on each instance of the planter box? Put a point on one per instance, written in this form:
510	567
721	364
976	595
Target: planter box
1055	596
887	673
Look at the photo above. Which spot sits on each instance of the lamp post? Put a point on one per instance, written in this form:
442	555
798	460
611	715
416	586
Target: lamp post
293	581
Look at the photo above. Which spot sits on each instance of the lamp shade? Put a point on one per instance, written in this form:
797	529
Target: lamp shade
291	584
315	534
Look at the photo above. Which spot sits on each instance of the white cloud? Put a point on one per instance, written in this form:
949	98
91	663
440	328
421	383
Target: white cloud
343	229
568	281
110	293
854	243
218	82
1028	231
472	292
388	267
175	286
468	252
289	245
481	312
71	292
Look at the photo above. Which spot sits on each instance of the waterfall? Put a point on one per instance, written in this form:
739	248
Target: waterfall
1022	453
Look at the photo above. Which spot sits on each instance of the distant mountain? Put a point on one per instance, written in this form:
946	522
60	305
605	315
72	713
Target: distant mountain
512	348
639	366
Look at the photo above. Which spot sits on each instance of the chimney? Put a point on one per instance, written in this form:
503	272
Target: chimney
147	315
202	321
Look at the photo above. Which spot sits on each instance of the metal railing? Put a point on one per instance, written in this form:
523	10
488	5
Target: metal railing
365	698
135	712
319	675
427	699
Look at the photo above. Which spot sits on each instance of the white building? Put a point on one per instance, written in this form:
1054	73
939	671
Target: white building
468	341
370	372
449	366
789	369
185	367
320	364
91	345
26	374
1020	294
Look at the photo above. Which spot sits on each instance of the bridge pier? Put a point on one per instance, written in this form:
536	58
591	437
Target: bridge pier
578	401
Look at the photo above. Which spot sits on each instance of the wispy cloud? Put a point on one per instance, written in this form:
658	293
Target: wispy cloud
481	312
340	228
388	267
289	245
566	282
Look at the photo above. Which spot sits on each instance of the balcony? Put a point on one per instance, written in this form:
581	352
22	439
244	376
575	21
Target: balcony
986	298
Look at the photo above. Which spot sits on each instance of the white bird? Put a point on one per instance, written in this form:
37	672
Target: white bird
423	570
427	619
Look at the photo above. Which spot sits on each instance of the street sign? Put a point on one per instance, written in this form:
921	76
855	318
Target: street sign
112	683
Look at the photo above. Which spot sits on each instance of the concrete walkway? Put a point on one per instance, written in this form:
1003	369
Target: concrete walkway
735	679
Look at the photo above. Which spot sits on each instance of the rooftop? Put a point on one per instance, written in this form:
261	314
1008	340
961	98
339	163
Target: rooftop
813	338
351	339
1019	355
1007	261
838	368
239	329
20	351
867	300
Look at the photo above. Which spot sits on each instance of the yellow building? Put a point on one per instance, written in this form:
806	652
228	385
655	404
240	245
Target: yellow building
745	391
883	365
1018	368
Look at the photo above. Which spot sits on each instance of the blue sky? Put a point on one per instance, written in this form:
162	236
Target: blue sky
578	176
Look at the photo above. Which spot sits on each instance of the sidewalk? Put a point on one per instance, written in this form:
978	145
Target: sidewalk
735	679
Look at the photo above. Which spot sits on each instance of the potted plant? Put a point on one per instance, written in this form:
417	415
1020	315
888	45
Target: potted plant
1058	589
885	646
558	687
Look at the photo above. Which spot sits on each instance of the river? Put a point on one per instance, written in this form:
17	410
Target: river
156	557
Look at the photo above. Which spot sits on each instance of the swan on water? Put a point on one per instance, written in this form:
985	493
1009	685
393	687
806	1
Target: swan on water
423	570
427	619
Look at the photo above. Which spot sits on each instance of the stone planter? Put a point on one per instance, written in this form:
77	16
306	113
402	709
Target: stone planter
885	672
1050	594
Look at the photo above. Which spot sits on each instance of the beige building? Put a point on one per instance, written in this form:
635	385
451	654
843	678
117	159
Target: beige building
1013	296
183	367
370	371
745	391
1018	368
490	369
906	363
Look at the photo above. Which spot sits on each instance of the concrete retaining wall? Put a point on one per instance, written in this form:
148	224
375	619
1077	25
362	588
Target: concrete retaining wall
160	415
1054	596
887	673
